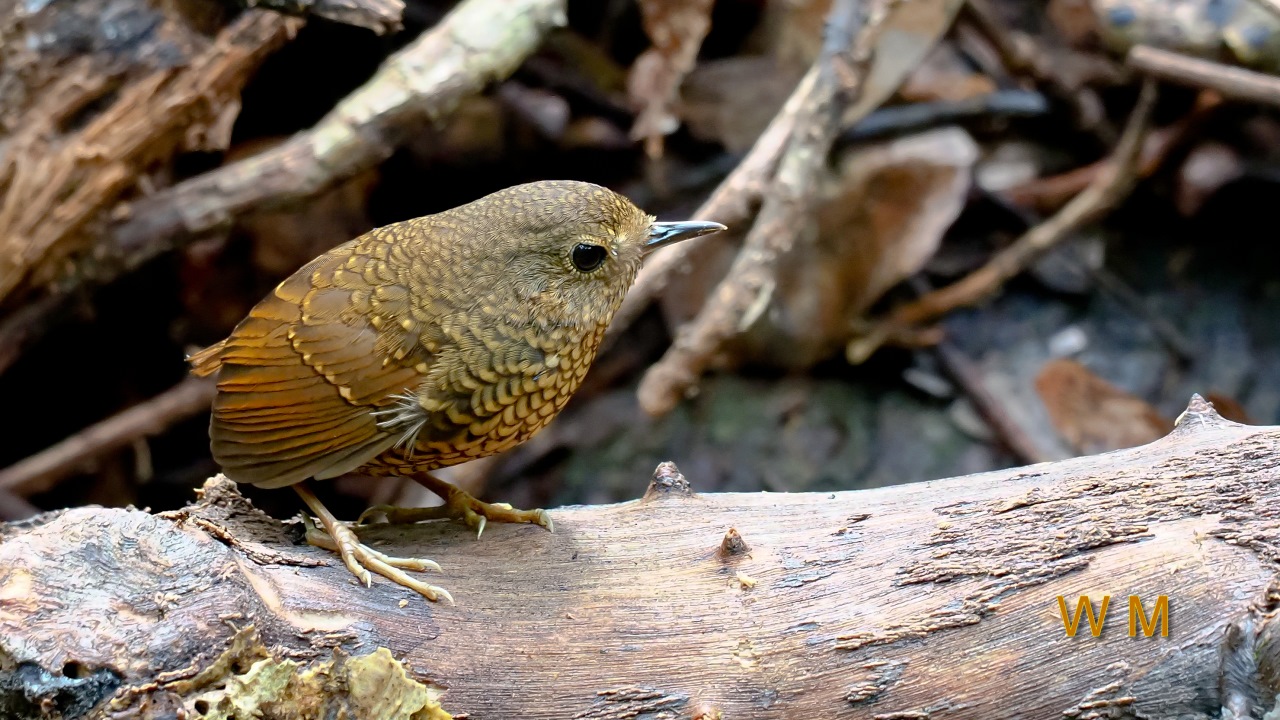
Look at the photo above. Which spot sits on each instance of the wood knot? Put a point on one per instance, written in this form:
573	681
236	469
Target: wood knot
1199	415
733	544
668	482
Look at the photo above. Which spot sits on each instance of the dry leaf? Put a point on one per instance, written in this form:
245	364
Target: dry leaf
909	33
731	101
882	215
945	75
900	198
676	28
1093	415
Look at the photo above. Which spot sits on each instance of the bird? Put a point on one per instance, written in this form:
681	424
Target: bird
424	344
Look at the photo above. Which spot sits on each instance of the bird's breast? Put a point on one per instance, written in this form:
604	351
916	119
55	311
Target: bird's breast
497	392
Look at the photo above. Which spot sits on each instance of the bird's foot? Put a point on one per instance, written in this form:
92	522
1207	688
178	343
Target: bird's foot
458	504
360	558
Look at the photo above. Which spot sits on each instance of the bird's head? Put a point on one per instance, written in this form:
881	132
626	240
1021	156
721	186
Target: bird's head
566	251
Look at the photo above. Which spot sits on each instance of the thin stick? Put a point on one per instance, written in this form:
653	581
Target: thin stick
13	507
44	469
988	404
1106	191
730	204
1050	193
1232	82
783	212
380	16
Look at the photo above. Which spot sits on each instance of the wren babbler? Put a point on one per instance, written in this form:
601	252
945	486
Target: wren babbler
424	344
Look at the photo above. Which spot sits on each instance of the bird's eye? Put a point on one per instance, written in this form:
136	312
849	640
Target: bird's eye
588	257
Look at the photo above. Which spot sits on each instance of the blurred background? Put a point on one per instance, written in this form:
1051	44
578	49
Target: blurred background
980	122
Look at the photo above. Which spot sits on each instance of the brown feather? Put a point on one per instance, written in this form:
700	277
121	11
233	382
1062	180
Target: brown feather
207	361
464	333
298	381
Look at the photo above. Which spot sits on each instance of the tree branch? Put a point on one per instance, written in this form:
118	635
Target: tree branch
478	42
1107	190
851	28
380	16
43	470
892	602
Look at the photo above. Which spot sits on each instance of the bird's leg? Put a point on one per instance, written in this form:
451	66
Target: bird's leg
458	504
360	558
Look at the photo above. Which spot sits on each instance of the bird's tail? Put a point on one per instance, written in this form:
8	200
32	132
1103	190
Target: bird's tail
207	361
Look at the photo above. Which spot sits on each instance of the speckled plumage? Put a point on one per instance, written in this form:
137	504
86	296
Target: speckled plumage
424	343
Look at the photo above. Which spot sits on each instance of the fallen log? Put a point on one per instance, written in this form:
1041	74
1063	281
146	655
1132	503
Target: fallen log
929	600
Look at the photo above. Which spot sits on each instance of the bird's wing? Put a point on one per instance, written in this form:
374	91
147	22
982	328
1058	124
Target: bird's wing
299	378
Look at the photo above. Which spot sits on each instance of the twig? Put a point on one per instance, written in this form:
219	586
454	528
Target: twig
1050	193
915	117
731	203
1232	82
1109	187
478	42
1173	338
380	16
13	507
1021	55
837	76
961	369
44	469
59	184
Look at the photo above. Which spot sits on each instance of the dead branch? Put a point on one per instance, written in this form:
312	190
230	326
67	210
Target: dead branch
478	42
380	16
25	326
13	507
838	75
1232	82
1051	193
988	404
53	187
1107	190
890	602
1021	54
43	470
731	203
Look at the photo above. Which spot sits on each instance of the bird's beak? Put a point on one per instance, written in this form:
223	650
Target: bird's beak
662	234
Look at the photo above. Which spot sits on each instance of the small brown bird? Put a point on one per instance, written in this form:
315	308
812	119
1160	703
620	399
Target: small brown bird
424	344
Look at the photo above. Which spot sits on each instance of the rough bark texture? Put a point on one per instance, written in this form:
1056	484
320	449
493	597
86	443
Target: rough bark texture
43	242
931	600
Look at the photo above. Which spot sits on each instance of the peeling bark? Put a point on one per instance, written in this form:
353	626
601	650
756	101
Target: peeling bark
930	600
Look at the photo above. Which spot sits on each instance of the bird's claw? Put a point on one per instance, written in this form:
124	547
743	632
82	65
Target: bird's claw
459	505
360	558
